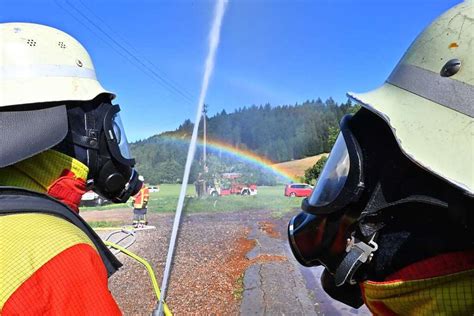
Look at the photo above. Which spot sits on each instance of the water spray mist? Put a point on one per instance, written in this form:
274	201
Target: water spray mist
209	66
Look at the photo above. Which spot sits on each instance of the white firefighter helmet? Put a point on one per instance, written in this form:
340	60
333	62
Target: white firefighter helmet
428	100
42	64
41	68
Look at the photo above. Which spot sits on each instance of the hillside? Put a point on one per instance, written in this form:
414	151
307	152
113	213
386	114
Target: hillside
277	133
257	133
297	167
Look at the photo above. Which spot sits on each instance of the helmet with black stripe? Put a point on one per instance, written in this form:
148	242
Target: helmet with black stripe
428	100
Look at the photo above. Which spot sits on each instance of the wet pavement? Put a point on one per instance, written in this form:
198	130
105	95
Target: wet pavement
299	292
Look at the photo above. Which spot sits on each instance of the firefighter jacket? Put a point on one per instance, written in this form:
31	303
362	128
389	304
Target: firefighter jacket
140	200
50	266
440	285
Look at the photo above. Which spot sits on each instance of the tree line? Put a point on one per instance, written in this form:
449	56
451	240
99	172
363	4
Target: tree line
278	133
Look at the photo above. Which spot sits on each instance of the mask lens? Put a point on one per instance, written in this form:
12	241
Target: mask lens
305	233
334	175
119	132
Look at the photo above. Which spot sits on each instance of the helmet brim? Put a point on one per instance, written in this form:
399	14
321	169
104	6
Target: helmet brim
50	89
435	137
26	132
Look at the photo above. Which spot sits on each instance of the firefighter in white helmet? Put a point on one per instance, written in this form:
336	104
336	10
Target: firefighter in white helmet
59	136
392	216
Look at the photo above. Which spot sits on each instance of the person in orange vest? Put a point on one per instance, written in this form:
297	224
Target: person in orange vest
60	136
391	218
140	203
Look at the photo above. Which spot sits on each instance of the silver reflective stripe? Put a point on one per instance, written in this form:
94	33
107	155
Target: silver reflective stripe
448	92
41	71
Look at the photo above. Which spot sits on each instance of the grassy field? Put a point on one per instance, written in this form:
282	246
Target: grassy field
268	198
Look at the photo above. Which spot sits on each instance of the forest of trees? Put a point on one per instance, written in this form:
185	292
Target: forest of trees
279	133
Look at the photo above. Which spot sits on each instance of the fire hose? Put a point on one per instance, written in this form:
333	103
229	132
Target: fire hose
149	269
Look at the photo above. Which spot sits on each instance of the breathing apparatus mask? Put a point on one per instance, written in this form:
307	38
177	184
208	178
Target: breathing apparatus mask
319	234
97	138
366	180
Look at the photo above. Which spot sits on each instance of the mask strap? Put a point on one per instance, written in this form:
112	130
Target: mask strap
86	141
358	253
378	202
360	250
90	142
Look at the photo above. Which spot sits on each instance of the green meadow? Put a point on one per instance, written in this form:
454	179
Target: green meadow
268	198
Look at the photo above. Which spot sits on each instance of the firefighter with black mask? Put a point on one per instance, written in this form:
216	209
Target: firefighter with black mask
391	218
60	135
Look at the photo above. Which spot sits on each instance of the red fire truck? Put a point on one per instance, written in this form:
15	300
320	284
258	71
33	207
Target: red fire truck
232	185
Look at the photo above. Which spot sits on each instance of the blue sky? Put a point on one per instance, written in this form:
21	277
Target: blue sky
281	52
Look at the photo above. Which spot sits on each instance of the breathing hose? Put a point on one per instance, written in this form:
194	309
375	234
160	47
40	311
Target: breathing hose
132	255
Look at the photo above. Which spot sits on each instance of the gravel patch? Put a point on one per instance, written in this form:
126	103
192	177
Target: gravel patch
226	263
208	268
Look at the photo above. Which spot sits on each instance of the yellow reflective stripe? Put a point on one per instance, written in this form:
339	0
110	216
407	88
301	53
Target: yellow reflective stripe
27	242
450	294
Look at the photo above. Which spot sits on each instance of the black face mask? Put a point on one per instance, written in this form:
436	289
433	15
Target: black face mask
96	138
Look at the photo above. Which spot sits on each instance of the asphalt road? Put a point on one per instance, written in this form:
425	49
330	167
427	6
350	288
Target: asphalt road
286	287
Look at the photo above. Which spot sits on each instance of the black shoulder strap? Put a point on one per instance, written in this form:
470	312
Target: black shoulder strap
15	200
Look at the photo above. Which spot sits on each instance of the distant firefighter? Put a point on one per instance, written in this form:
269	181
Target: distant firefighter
140	203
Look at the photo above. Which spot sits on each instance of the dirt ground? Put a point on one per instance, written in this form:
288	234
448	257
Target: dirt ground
229	263
210	260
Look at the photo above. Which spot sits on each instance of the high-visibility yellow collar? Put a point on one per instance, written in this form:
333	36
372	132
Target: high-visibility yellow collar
50	172
40	171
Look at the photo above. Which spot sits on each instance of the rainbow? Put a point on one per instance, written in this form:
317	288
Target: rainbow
241	154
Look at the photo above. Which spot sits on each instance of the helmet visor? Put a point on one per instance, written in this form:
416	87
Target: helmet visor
334	175
120	136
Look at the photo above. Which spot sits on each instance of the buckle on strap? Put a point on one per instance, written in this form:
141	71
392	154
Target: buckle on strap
358	253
